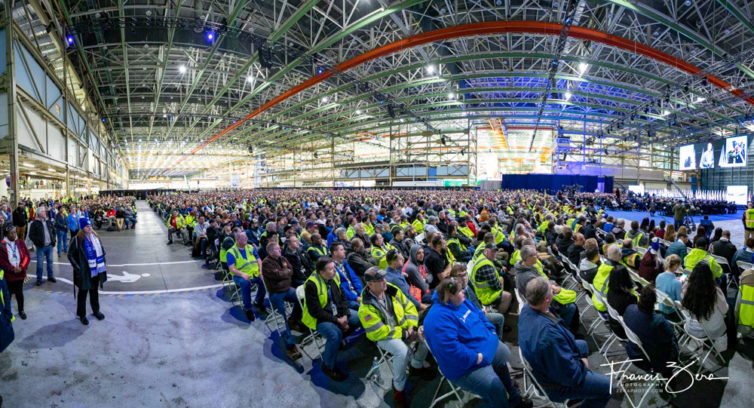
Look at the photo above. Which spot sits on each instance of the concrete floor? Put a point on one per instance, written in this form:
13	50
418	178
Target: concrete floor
170	339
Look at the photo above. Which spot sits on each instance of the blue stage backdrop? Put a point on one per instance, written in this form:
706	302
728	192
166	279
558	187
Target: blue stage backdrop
555	182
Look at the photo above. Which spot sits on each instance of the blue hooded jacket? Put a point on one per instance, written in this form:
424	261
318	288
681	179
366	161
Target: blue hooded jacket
551	350
456	335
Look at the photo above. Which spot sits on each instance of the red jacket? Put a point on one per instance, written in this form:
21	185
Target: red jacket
23	252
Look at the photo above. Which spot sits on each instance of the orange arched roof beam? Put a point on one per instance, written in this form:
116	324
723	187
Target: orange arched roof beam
477	29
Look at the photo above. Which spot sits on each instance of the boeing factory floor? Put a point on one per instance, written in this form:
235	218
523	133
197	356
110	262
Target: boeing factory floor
170	339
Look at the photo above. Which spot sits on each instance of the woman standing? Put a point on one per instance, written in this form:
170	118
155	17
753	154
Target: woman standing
14	259
87	257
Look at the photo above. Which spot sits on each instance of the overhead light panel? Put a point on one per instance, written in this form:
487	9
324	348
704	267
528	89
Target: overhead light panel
431	69
583	67
250	79
568	95
182	69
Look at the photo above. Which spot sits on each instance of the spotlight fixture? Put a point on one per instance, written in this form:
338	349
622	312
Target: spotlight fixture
210	36
69	39
320	70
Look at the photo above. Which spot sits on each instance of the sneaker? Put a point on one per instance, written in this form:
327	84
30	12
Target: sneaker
22	315
84	320
333	373
297	325
53	280
261	310
293	353
99	315
250	315
39	282
169	242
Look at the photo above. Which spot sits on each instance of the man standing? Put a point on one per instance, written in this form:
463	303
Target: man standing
679	213
747	219
243	265
325	310
41	233
277	277
87	257
391	321
558	361
20	220
61	228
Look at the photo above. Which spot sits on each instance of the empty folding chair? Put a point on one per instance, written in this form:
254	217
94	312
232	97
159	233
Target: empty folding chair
605	349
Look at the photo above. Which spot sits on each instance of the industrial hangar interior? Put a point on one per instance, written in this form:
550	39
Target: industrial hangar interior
376	203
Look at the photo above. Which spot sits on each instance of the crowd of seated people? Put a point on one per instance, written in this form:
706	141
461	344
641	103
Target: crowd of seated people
400	265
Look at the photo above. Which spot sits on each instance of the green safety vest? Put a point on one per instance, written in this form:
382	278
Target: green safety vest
750	218
418	226
479	251
601	283
350	232
322	251
467	231
374	321
455	240
499	235
484	293
746	309
368	228
319	282
223	251
248	265
637	239
697	255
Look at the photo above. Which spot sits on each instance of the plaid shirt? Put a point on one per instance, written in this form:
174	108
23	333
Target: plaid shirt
489	274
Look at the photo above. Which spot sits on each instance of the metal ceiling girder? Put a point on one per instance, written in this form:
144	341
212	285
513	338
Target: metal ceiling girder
646	11
485	28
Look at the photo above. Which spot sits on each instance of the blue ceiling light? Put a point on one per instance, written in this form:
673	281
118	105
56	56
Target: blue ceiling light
320	70
69	39
210	36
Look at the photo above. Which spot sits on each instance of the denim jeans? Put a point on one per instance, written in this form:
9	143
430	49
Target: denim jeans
62	241
492	382
130	221
277	301
497	320
595	390
245	286
42	254
333	336
401	354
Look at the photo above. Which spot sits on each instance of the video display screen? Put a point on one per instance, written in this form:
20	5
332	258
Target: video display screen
687	157
737	194
734	152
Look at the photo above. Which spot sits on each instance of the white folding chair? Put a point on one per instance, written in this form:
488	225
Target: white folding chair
706	343
454	390
744	265
636	278
273	313
231	290
664	299
520	300
613	337
727	270
649	383
532	389
641	250
385	358
569	276
313	337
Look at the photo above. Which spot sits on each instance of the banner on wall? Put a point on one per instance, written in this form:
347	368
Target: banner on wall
235	181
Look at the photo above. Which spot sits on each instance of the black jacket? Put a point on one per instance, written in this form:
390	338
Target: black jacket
19	217
359	262
300	264
77	257
725	249
37	233
316	311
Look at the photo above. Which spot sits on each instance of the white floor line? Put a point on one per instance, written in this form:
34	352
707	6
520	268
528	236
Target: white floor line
149	292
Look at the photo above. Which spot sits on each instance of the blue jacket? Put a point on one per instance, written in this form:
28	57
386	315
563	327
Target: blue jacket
73	222
678	248
396	278
352	289
551	349
331	237
456	335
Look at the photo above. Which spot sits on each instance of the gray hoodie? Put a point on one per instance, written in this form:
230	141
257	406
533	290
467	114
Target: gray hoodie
587	269
412	269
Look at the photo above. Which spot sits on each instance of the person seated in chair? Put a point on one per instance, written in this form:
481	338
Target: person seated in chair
392	322
467	349
654	331
557	359
325	310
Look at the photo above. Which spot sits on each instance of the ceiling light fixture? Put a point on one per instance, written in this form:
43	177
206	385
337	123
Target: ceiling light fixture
430	69
182	69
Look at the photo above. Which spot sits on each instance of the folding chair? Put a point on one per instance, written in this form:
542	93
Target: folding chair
454	390
728	271
385	358
313	337
590	305
706	343
231	290
569	276
664	299
652	383
520	300
273	313
532	389
744	265
636	278
604	350
641	250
